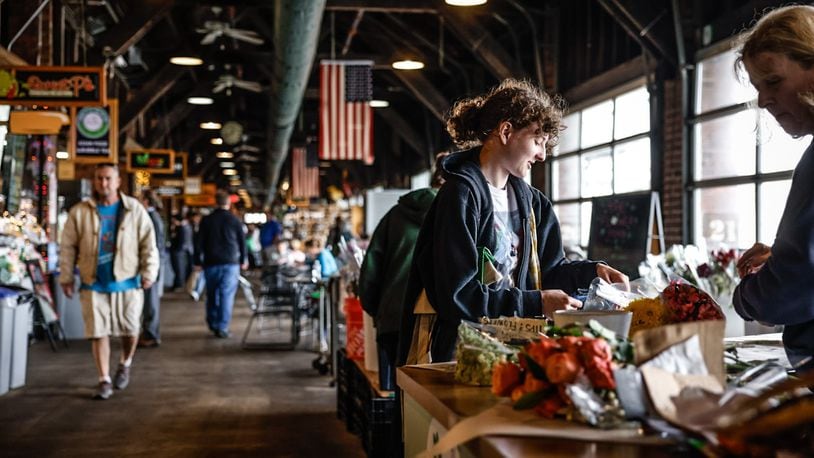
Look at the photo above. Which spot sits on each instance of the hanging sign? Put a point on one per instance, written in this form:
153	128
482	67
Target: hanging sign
150	160
205	199
179	167
192	185
94	133
80	86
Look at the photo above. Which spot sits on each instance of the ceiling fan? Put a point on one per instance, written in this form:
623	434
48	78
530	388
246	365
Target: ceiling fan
227	82
216	29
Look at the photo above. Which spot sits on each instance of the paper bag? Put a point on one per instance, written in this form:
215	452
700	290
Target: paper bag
650	342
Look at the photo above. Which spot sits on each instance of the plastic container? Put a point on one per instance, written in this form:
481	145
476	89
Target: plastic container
14	324
354	320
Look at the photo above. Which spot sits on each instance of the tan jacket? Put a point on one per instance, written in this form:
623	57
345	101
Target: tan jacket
136	252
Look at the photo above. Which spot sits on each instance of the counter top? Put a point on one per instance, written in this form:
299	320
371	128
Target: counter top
449	402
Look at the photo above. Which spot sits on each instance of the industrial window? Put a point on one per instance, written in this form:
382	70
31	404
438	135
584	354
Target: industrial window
604	149
741	161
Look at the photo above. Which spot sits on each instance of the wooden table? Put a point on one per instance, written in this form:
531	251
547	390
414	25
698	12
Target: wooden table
430	396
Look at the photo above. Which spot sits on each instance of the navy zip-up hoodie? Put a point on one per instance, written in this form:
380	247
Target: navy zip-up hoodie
782	292
445	261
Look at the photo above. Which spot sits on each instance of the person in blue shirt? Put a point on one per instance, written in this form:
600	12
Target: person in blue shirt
270	231
326	259
112	240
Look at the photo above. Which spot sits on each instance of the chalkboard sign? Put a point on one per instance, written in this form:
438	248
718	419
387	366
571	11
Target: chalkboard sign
622	230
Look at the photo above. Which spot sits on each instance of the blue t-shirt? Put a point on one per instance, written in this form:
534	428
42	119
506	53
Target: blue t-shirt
105	282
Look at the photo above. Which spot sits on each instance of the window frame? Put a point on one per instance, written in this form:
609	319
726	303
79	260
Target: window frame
644	82
694	119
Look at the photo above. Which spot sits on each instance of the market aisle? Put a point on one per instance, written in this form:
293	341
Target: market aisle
195	396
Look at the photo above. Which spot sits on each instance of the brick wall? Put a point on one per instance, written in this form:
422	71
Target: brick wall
672	212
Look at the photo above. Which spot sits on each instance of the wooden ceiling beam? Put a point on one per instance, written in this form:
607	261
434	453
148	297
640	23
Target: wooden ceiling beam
403	129
149	93
482	44
140	18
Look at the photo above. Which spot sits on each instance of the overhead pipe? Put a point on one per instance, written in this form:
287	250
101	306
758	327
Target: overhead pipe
296	32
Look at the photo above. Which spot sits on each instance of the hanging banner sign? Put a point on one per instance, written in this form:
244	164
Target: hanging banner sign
94	133
150	160
79	86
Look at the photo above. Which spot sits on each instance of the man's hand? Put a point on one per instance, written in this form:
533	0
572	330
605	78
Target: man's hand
753	259
244	266
611	275
197	268
556	299
67	288
146	284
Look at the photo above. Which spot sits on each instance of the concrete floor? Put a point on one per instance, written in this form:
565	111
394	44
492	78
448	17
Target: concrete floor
194	396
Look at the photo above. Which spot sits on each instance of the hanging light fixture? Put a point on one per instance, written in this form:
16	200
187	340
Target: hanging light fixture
210	125
224	155
465	2
379	104
227	165
408	64
200	100
216	141
186	61
229	172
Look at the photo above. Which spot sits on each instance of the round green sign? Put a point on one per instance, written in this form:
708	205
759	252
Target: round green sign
93	122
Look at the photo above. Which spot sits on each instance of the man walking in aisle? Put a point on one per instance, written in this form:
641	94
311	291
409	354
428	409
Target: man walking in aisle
222	253
112	240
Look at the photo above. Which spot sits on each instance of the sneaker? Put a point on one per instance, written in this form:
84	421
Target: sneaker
222	334
104	392
195	296
122	377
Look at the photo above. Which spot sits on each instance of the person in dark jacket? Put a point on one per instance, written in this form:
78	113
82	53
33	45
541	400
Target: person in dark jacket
222	253
181	250
475	253
383	277
776	282
150	318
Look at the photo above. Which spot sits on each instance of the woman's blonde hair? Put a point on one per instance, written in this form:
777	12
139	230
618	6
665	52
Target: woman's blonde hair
788	31
521	103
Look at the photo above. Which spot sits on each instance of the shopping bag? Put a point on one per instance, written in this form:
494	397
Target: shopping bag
421	342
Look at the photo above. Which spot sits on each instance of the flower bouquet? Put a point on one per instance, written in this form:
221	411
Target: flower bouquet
679	302
568	373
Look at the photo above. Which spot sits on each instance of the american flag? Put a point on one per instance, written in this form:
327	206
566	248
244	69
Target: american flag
304	179
346	118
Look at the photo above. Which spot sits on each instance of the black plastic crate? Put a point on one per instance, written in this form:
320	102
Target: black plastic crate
342	392
378	440
381	410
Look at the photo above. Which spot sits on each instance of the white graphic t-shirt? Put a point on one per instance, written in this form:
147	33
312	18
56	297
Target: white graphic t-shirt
507	234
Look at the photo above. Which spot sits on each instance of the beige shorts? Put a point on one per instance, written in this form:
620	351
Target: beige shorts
112	314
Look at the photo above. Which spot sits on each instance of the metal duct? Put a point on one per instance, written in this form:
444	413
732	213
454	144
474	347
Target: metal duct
296	32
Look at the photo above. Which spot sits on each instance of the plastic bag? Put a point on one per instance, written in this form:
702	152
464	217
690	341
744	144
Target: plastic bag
604	296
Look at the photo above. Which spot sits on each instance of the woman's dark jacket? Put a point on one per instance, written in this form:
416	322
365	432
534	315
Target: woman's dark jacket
782	291
445	262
